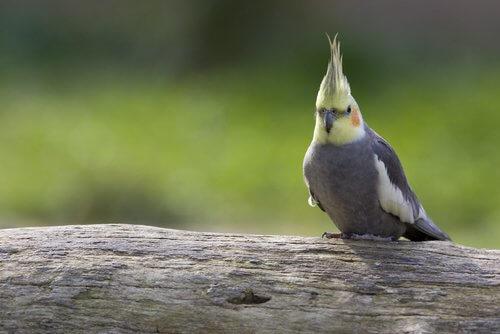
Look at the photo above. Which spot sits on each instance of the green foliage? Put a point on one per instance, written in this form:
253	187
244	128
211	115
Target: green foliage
223	150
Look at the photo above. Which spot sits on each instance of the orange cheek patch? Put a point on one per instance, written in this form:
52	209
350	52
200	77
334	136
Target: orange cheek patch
355	121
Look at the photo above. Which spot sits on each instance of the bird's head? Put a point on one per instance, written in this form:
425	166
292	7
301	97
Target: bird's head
338	118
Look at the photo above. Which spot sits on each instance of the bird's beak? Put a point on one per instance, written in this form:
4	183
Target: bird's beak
328	120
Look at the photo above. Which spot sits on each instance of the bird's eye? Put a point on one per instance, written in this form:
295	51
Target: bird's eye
348	110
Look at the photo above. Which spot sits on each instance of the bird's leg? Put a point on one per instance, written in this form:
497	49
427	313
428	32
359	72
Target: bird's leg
330	235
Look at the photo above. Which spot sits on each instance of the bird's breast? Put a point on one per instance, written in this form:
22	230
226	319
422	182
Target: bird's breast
341	177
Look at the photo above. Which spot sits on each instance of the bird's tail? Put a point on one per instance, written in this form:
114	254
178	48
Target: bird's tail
424	229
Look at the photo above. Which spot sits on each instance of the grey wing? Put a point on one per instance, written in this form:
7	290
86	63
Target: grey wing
395	194
312	200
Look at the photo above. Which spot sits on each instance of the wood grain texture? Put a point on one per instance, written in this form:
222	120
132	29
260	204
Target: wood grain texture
140	279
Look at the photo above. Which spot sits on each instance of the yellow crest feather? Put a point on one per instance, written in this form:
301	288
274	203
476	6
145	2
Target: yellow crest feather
334	88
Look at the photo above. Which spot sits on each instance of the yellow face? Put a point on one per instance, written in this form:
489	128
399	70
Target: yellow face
339	126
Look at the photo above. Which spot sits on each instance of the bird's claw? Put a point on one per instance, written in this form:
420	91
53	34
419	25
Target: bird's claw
330	235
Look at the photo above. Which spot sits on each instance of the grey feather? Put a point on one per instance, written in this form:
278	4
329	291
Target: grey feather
397	176
429	229
386	154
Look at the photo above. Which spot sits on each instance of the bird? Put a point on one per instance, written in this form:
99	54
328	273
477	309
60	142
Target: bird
354	175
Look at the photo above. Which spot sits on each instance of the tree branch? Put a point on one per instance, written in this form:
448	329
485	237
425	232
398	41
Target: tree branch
129	279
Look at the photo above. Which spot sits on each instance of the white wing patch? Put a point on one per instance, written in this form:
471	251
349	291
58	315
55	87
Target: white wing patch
390	196
311	201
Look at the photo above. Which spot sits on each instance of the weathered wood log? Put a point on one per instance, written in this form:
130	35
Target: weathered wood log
139	279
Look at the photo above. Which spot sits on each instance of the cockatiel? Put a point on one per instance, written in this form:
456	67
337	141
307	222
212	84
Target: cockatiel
354	175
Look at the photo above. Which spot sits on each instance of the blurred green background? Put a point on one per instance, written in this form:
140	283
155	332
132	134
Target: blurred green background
197	114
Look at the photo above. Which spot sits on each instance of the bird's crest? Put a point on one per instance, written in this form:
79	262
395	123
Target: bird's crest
334	89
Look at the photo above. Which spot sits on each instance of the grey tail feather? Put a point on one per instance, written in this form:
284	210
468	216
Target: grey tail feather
423	230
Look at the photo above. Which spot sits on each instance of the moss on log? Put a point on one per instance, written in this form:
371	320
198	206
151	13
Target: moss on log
140	279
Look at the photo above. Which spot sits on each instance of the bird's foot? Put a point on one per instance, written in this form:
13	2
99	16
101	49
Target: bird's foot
372	237
330	235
